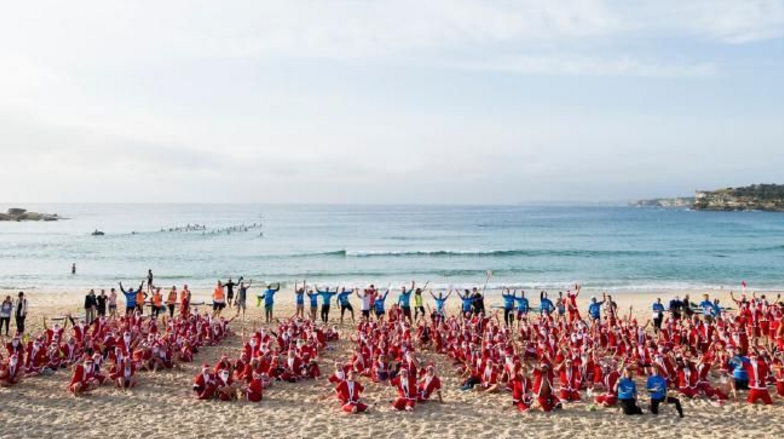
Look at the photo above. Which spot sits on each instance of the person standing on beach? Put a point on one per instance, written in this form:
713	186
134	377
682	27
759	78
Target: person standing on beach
657	314
113	303
326	298
509	300
595	310
269	301
218	300
404	300
242	297
345	305
299	293
150	279
21	313
229	285
6	308
90	305
130	298
185	301
171	301
313	297
73	268
100	302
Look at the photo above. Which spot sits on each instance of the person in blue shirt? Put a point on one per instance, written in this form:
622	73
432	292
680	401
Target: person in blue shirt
658	314
740	378
404	300
130	298
378	305
595	309
546	306
345	304
627	394
509	301
269	301
440	302
707	308
299	293
657	389
313	297
522	306
468	301
326	298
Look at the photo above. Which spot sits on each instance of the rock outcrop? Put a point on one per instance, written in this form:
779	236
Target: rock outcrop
680	202
17	214
764	197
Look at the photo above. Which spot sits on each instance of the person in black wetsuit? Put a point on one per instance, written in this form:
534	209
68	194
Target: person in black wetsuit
230	284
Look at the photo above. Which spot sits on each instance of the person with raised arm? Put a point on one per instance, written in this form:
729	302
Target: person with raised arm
419	306
326	298
404	300
440	301
378	305
229	285
313	298
218	300
595	309
299	295
130	298
522	306
241	302
345	304
509	302
269	301
546	306
467	303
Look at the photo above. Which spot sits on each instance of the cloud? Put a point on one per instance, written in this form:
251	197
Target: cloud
581	65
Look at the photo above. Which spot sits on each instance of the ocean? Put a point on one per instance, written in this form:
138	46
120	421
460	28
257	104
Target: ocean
533	247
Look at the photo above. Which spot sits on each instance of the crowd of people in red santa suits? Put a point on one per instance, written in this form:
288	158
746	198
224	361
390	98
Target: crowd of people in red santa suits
385	353
546	361
110	350
288	354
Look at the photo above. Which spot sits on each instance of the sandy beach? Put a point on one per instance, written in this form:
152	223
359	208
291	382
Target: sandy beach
162	404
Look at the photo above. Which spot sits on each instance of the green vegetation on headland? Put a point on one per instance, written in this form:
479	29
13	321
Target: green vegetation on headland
17	214
763	197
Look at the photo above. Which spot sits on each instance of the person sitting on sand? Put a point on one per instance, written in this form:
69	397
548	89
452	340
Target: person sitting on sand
349	393
406	391
205	383
83	381
11	371
430	384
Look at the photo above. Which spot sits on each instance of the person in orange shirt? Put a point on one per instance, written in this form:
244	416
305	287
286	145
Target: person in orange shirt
157	302
141	296
171	301
218	300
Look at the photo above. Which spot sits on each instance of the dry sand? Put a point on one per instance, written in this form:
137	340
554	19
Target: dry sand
162	406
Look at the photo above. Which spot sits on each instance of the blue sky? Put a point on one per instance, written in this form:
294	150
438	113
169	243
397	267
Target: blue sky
388	102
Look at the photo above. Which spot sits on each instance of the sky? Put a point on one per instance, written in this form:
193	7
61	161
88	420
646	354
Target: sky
364	101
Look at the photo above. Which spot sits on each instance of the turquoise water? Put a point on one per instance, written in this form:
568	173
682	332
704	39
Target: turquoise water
616	248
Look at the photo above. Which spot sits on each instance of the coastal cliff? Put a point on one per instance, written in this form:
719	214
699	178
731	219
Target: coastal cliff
764	197
17	214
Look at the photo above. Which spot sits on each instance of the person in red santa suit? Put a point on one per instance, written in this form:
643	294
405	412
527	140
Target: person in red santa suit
37	359
430	384
82	380
543	388
339	375
406	391
204	383
11	371
758	371
126	378
570	380
610	397
254	391
521	388
225	387
349	392
778	368
292	368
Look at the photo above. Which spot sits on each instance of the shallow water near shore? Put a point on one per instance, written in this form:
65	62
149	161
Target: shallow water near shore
617	248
